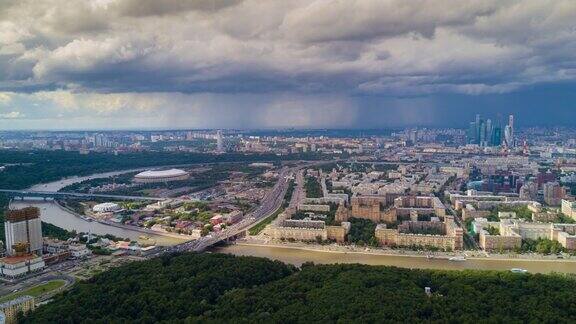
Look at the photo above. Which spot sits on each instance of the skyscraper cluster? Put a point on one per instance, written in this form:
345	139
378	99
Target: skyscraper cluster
485	133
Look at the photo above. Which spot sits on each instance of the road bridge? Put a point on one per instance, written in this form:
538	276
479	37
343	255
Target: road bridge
71	195
270	204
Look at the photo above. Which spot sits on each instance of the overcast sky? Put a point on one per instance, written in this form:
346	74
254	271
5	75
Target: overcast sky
259	63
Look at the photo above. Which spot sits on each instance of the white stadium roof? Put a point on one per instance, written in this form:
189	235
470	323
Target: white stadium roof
153	174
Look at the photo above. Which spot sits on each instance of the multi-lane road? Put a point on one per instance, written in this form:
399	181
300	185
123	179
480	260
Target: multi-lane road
269	204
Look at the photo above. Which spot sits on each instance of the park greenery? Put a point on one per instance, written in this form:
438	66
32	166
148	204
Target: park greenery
256	229
163	289
85	185
27	168
197	182
289	193
492	230
522	212
312	187
36	291
542	246
329	217
217	288
362	232
563	219
53	231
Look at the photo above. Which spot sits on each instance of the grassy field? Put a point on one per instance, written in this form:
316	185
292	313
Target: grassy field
256	229
35	291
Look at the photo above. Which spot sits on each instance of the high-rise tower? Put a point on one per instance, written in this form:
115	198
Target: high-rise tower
511	130
23	231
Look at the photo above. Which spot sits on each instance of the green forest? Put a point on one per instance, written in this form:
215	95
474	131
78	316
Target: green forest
29	168
223	288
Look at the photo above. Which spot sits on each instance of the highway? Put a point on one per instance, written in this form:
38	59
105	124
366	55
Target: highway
298	193
270	203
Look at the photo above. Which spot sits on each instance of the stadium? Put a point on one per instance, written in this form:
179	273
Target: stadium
152	176
107	207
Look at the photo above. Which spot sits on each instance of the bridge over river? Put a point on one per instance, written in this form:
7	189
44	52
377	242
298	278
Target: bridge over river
70	195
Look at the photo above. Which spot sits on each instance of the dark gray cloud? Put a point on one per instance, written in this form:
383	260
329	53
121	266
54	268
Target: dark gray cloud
332	51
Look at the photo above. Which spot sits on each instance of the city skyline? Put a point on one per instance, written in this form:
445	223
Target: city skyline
298	161
111	64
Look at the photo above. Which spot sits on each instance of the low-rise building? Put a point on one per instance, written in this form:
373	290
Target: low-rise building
52	246
446	235
469	212
315	208
11	308
217	219
19	266
79	251
569	208
233	217
308	230
422	205
499	238
509	233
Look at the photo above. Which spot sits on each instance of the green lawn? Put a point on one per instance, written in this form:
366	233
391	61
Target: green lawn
256	229
35	291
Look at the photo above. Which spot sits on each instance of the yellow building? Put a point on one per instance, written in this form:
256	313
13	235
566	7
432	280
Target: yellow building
449	235
11	308
308	230
569	208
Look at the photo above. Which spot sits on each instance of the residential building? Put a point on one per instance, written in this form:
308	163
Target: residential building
11	308
569	208
509	233
18	266
79	251
553	193
446	235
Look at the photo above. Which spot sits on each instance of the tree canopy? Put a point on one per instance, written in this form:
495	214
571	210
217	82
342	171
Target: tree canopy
223	288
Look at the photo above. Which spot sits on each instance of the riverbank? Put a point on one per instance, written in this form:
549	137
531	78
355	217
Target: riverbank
65	218
333	248
53	214
297	254
184	238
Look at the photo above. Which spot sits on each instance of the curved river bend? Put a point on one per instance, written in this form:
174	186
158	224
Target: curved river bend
54	214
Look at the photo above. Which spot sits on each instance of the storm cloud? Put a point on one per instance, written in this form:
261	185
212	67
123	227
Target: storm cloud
325	63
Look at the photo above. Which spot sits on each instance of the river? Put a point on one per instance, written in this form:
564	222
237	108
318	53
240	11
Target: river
53	214
297	256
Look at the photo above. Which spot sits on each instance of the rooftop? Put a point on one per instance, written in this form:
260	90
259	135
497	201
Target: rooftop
161	173
16	301
18	259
